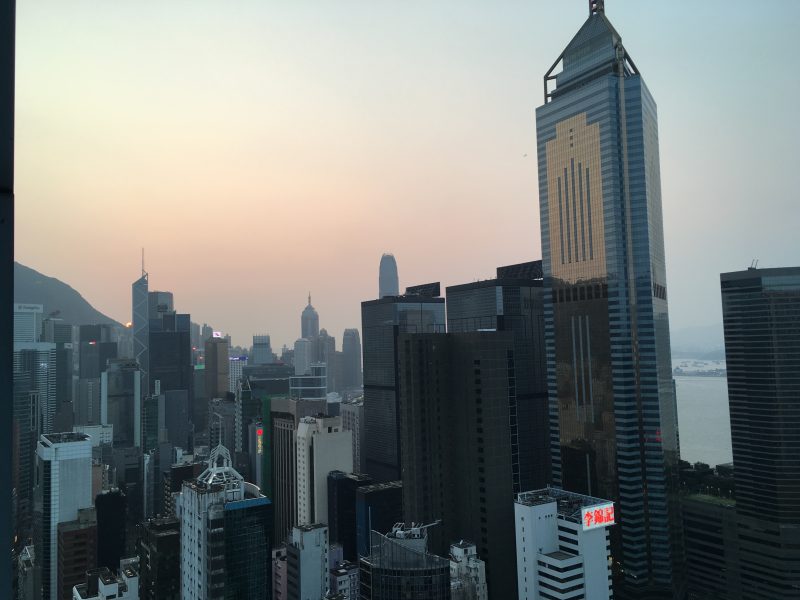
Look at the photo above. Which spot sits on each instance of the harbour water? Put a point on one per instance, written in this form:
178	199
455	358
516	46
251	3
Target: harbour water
703	419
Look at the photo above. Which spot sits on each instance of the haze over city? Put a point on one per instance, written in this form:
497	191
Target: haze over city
264	152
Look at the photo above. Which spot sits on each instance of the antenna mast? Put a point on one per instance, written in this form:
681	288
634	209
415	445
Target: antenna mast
596	6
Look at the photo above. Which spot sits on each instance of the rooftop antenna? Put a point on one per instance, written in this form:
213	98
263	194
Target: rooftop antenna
596	7
143	271
754	264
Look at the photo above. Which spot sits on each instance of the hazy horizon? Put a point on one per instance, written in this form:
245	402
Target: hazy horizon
262	153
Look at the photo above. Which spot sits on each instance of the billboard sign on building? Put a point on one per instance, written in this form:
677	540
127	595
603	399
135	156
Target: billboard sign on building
600	515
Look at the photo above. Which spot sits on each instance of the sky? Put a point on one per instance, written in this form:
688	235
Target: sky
262	150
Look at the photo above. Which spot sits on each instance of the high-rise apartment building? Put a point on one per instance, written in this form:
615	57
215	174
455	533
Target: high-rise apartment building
309	321
351	360
467	573
322	446
352	413
761	315
614	426
63	488
236	365
382	321
388	281
77	551
226	527
307	562
121	401
514	302
563	546
458	434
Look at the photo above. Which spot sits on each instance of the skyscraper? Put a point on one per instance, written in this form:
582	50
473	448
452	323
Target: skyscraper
141	325
351	359
761	314
382	321
27	322
226	534
262	350
309	321
388	282
121	402
614	424
63	488
217	369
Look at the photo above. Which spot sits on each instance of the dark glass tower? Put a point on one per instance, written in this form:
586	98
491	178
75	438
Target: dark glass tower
613	414
141	325
761	313
381	322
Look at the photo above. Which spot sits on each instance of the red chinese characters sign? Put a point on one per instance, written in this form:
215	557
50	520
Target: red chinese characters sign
598	516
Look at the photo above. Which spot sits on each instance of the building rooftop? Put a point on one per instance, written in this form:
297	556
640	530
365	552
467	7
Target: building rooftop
569	504
712	499
63	438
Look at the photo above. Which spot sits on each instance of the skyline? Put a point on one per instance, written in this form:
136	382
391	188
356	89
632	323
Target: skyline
384	116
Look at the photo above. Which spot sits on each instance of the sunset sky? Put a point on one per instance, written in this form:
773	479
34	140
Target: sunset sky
262	150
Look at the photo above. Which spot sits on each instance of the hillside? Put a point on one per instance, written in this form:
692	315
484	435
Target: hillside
32	287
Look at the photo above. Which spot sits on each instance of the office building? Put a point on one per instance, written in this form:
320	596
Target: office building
221	422
761	312
262	350
342	510
467	573
322	446
309	322
96	346
121	401
382	321
159	551
311	386
225	534
256	451
514	302
87	402
399	566
352	413
351	360
378	507
307	562
303	349
279	572
24	433
170	352
27	322
63	488
713	569
159	303
236	366
388	281
141	326
77	551
614	426
459	441
217	369
563	547
38	361
111	507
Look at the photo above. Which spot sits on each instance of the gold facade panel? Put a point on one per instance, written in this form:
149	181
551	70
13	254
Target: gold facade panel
575	201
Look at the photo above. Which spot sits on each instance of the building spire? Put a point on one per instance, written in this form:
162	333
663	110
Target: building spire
596	7
309	298
143	271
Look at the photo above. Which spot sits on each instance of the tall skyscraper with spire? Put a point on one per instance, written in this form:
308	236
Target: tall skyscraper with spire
309	321
388	281
141	325
614	430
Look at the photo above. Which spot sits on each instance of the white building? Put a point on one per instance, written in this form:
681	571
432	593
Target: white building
235	371
99	434
64	474
27	322
352	413
322	446
102	584
307	562
467	573
302	356
213	558
563	548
